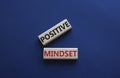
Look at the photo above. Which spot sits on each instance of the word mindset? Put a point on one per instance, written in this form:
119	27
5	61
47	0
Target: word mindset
54	32
60	53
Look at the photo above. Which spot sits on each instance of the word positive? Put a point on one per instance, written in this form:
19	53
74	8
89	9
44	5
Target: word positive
54	32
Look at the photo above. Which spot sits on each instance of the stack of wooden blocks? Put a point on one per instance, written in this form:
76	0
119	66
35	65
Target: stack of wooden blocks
57	53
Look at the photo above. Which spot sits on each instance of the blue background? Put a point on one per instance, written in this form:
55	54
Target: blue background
96	32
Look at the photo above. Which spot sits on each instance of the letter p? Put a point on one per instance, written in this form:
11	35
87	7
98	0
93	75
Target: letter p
42	39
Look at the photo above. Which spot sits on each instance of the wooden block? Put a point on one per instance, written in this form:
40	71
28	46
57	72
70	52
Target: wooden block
54	32
60	53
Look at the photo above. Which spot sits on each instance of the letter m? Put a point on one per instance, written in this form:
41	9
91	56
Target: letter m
46	53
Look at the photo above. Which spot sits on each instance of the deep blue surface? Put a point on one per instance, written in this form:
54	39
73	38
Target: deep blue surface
96	32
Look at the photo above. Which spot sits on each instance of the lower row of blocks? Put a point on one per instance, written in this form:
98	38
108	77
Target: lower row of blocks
60	53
